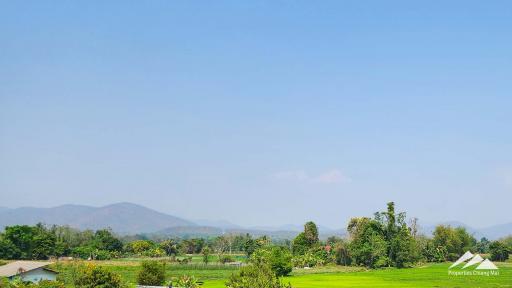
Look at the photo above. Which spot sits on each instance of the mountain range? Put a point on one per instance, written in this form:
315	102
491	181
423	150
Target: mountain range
124	218
129	218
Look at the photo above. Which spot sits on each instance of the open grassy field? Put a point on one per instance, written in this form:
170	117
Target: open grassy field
429	275
129	268
432	275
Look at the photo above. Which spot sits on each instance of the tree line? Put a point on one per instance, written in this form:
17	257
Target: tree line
42	242
385	240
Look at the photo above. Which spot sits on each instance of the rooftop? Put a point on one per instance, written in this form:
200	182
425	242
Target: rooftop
16	267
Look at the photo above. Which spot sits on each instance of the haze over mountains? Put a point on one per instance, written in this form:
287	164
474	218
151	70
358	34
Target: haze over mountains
129	218
124	218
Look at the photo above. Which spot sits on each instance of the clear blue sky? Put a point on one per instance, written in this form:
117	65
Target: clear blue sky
259	112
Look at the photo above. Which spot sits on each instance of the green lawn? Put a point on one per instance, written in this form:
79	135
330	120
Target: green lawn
429	275
432	275
129	268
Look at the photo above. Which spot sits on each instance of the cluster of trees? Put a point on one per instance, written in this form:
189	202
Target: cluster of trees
41	242
448	244
222	246
266	265
307	249
384	240
387	240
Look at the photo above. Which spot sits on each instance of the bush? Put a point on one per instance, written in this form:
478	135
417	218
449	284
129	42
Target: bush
226	259
154	253
184	261
82	252
185	281
18	283
279	259
151	274
206	254
507	241
50	284
342	254
140	247
306	260
255	276
97	277
430	252
101	255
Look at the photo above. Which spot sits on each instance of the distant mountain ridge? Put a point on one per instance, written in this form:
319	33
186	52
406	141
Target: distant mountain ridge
497	231
129	218
275	233
223	224
125	218
208	231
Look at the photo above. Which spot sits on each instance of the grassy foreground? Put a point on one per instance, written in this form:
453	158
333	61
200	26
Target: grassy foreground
429	275
432	275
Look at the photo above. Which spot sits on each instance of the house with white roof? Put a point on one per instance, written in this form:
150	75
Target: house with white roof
33	271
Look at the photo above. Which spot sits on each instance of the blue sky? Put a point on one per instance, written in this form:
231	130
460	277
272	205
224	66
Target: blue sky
259	112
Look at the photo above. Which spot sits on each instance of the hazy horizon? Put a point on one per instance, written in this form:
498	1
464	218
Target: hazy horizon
259	113
421	222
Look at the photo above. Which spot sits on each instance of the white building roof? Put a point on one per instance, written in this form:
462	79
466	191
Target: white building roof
16	267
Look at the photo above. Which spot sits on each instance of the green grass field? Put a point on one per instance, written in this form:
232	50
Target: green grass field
429	275
432	275
129	268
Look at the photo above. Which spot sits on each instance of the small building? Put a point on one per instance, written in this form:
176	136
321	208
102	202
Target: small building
32	271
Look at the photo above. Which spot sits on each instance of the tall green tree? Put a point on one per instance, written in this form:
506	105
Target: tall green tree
342	253
22	237
170	246
368	246
277	257
306	240
311	233
105	240
206	254
405	251
8	250
44	244
483	245
499	251
300	244
456	241
250	246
